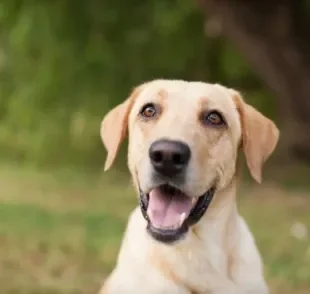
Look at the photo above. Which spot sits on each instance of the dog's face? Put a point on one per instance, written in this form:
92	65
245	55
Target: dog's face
184	139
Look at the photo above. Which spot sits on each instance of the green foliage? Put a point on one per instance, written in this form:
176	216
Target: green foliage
63	64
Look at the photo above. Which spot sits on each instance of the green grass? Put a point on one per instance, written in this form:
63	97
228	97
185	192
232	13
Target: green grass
60	231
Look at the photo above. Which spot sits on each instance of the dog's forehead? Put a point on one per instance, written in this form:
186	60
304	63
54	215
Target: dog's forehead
189	95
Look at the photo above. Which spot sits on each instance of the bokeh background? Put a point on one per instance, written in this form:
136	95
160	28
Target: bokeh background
64	64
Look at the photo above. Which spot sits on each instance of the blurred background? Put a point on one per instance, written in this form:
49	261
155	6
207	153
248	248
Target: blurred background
64	64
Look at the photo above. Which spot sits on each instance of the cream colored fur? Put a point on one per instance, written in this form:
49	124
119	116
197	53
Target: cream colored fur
219	254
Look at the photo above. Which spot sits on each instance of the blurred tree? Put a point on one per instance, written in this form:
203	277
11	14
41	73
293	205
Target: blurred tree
274	36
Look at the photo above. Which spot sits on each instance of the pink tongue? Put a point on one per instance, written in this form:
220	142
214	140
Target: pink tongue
165	209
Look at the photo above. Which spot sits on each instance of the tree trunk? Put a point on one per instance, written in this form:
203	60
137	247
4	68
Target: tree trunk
274	37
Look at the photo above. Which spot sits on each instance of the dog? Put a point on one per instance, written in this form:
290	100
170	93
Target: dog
186	236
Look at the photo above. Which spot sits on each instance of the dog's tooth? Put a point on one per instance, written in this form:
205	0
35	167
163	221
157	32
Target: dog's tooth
182	218
194	200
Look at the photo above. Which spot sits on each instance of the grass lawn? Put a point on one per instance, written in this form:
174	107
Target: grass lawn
60	231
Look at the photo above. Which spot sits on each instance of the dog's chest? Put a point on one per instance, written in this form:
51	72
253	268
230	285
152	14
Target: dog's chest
199	266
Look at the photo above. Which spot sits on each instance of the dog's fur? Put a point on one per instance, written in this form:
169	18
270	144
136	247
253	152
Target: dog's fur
219	254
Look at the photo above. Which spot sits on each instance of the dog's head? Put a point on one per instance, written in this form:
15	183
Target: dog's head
184	139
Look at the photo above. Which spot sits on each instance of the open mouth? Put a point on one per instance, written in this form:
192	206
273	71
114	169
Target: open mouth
170	213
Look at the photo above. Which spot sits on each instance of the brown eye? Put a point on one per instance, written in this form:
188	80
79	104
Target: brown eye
213	118
148	111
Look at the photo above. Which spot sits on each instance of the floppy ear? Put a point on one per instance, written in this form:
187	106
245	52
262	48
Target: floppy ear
259	136
114	128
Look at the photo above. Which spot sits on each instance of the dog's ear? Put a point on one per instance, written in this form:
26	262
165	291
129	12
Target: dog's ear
114	128
259	136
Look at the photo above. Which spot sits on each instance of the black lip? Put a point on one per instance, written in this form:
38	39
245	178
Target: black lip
171	236
167	236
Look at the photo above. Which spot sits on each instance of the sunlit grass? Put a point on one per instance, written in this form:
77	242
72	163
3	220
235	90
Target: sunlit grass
60	232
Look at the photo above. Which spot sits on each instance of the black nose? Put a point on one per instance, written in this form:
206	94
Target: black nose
169	157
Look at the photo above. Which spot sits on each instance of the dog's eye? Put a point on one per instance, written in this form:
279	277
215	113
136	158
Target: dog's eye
148	110
213	118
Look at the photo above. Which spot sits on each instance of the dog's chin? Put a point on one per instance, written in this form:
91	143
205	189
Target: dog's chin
170	213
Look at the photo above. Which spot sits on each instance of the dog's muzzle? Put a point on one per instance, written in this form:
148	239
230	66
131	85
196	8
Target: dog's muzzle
168	210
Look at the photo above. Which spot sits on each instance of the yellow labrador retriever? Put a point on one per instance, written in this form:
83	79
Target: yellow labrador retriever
187	236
